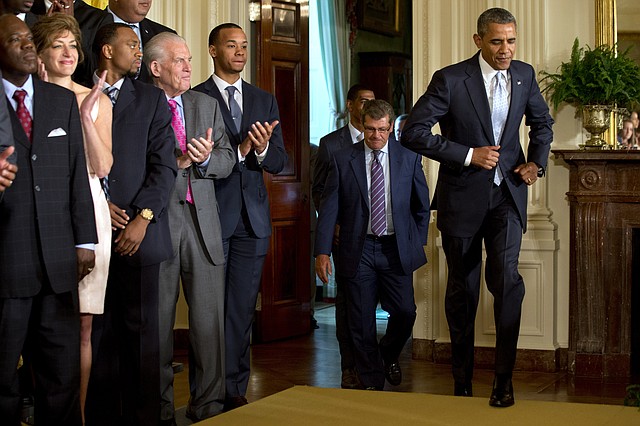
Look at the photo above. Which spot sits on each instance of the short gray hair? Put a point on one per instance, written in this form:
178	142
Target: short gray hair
495	15
377	109
155	49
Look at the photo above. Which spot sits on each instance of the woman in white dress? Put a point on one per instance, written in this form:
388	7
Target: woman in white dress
58	42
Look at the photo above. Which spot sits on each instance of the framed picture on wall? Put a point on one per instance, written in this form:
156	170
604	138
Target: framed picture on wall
379	16
630	40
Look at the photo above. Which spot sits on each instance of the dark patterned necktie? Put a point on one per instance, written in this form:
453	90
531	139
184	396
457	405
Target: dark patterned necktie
23	112
378	210
234	108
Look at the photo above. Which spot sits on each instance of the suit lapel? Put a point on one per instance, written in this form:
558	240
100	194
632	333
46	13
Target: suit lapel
358	165
18	132
190	116
345	137
516	95
478	96
126	96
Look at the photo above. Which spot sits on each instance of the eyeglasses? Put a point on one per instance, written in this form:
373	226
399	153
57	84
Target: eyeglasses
371	130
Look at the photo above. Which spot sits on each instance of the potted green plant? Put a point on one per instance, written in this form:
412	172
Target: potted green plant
596	81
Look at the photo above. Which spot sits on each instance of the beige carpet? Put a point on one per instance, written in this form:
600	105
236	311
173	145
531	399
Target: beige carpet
308	406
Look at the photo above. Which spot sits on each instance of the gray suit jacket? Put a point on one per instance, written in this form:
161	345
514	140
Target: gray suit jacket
200	113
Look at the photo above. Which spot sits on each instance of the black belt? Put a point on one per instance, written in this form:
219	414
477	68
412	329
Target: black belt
381	238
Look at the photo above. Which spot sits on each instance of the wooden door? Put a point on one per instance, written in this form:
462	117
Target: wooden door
283	69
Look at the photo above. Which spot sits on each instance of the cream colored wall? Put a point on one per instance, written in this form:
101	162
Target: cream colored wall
546	29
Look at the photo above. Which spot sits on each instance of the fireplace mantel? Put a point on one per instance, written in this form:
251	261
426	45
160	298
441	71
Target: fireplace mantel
604	198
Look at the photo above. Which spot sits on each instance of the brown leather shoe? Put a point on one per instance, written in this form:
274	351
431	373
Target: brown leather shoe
233	402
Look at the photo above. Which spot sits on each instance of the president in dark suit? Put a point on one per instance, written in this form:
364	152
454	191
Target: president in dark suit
251	120
481	193
203	155
377	192
47	236
139	184
345	136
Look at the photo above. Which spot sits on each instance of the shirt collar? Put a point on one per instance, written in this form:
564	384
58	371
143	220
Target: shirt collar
10	88
222	85
354	133
488	73
178	100
117	84
369	152
118	20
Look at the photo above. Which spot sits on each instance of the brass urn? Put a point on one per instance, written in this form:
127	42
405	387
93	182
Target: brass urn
595	120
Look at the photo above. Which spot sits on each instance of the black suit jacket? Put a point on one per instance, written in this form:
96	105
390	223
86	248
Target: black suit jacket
456	99
144	165
345	200
329	144
246	181
48	210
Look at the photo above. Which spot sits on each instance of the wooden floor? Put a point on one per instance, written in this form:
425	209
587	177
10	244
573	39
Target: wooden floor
314	360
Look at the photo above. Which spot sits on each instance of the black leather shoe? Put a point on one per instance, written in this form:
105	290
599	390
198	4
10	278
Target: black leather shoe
350	379
393	373
502	393
233	402
462	389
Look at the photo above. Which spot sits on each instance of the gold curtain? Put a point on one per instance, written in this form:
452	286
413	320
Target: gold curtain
101	4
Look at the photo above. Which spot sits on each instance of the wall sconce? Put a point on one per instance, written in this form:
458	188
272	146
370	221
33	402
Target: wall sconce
254	11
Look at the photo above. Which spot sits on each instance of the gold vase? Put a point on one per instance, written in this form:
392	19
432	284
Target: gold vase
595	120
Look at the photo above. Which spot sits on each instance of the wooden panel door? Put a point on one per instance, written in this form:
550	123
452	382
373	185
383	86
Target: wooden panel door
283	69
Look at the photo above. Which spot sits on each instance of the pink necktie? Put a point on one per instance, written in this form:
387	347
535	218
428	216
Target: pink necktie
23	112
178	129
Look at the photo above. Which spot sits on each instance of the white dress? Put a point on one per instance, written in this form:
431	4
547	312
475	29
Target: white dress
93	287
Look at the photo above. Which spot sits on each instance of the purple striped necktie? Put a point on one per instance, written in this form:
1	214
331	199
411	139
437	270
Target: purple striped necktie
378	210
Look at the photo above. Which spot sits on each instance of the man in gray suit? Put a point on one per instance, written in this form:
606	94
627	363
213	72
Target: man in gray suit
195	231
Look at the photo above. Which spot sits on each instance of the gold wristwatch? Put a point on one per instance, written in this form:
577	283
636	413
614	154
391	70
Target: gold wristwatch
147	214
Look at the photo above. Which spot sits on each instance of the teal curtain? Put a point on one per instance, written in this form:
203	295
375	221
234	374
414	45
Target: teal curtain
334	48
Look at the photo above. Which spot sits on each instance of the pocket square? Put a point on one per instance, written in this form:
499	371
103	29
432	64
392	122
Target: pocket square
56	132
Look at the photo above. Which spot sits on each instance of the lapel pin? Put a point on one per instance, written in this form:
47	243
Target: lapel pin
519	83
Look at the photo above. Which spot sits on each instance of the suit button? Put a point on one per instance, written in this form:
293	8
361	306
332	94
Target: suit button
37	188
34	157
181	202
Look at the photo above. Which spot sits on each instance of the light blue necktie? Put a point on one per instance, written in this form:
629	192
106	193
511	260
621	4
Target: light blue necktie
499	111
234	108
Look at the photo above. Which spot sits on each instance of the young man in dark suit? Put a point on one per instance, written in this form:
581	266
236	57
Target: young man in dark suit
138	186
377	192
483	179
203	155
47	237
251	119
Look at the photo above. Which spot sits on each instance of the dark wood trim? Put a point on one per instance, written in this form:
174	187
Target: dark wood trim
546	361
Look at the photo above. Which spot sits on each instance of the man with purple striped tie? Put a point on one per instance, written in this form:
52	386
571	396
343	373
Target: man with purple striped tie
377	192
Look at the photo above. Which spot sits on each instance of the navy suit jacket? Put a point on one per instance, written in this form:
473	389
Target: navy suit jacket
144	165
329	144
456	98
346	200
246	180
48	209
